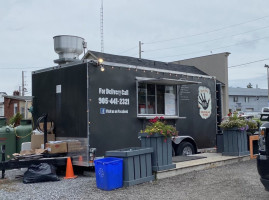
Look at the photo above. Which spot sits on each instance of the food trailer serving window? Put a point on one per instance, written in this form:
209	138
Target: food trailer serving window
158	96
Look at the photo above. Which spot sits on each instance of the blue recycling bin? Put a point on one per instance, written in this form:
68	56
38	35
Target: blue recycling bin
109	173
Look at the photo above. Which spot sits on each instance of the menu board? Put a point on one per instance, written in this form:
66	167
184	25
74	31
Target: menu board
170	104
184	93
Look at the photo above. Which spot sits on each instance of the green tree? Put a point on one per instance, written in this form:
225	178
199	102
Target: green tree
15	120
249	85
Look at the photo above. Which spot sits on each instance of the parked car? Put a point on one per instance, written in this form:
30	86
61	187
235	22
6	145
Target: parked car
247	116
240	113
263	157
264	113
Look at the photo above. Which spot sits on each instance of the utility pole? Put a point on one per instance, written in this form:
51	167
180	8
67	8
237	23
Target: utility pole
102	26
267	66
22	85
140	49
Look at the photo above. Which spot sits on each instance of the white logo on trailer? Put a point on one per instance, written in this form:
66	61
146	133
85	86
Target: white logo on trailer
204	102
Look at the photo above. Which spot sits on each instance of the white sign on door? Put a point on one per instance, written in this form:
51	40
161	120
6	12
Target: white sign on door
170	104
204	102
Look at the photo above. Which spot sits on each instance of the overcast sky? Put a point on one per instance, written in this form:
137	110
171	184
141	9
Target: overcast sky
170	30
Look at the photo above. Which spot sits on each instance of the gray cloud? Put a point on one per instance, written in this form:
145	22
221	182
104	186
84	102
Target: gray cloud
27	28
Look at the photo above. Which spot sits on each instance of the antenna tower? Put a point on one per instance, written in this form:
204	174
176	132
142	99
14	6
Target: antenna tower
101	26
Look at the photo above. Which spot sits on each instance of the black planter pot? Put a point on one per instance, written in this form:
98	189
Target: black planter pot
235	142
162	151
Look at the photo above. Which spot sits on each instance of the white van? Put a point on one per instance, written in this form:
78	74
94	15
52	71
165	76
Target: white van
265	112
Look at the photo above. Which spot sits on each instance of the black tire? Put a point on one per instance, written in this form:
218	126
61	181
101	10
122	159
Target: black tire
173	152
184	149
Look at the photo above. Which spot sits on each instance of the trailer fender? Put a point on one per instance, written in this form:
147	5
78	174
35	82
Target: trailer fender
179	139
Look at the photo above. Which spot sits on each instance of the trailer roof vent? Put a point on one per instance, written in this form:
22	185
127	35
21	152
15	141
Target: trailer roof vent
68	47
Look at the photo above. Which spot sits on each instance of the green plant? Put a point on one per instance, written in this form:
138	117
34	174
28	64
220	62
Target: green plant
258	121
15	120
252	124
234	121
158	125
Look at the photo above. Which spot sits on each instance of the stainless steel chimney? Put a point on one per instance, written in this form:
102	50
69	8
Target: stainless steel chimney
68	47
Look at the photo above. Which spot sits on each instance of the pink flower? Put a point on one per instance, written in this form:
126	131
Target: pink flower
153	120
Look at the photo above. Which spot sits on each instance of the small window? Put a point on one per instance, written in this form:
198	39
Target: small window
246	99
265	110
239	106
235	99
142	92
22	111
1	111
15	108
156	99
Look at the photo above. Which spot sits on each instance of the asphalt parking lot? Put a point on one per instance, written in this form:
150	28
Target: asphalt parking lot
234	181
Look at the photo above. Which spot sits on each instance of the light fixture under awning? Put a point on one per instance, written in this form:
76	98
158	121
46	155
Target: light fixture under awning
165	81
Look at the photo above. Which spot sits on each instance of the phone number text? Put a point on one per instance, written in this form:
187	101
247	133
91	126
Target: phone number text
114	101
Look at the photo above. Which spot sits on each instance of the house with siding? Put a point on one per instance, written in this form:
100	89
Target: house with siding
2	94
247	99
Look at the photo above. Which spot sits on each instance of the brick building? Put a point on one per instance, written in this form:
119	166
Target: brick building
15	104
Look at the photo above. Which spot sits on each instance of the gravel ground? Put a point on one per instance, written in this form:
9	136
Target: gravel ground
235	181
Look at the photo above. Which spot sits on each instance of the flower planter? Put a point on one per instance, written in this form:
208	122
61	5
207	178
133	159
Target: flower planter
162	151
235	142
137	167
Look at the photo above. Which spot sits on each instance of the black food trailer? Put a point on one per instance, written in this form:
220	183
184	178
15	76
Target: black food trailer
105	100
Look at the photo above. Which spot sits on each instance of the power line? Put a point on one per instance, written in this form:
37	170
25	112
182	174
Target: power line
215	48
134	54
202	33
128	49
7	68
102	26
248	63
206	41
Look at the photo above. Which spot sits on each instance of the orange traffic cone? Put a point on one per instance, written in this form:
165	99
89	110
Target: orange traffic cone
69	170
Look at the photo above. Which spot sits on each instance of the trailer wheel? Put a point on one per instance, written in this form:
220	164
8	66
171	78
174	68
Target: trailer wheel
185	148
173	152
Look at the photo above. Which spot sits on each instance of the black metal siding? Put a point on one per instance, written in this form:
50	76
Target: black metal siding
68	109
